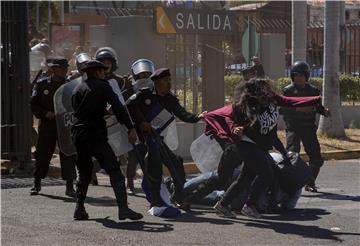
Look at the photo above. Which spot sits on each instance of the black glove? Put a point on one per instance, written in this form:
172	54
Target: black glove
286	161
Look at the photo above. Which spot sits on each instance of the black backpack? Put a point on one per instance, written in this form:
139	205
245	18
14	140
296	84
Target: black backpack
294	175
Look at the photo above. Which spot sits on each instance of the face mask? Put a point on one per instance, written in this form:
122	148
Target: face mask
142	83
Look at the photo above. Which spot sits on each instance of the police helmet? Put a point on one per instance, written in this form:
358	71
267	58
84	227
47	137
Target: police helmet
140	66
104	53
81	59
302	68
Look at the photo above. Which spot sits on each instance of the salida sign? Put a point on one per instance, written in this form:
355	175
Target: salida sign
194	21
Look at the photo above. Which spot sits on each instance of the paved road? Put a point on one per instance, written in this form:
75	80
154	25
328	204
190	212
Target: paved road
327	218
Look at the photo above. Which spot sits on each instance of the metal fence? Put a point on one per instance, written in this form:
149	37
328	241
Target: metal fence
349	50
15	85
183	58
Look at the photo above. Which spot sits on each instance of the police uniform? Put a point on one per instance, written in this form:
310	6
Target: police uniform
140	105
90	99
41	103
301	127
124	83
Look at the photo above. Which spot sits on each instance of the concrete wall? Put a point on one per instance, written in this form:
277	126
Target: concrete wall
133	37
99	35
272	47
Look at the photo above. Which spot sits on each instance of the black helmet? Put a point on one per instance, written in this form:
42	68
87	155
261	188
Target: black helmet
300	67
104	53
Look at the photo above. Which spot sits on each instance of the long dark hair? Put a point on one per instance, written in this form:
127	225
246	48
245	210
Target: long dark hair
253	95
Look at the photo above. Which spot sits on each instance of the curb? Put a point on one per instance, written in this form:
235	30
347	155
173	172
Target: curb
191	168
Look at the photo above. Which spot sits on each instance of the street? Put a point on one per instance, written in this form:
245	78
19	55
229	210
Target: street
329	217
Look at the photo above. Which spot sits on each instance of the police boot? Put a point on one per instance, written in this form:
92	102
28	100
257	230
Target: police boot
81	190
311	187
130	186
80	212
37	187
70	188
118	183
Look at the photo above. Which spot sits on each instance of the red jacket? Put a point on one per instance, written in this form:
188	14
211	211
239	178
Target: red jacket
220	122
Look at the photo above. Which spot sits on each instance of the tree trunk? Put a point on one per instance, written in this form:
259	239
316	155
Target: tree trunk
299	32
332	126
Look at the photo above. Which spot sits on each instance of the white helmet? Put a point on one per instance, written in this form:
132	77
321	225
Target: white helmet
140	66
81	59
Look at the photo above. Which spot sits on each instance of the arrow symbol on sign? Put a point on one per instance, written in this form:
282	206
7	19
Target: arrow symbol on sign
161	21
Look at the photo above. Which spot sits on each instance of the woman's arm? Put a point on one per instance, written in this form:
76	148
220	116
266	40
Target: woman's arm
284	101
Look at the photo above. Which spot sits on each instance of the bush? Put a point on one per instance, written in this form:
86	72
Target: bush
231	81
349	88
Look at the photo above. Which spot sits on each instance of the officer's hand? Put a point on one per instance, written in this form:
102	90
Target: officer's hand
286	161
327	112
145	127
238	131
50	115
201	116
132	136
323	111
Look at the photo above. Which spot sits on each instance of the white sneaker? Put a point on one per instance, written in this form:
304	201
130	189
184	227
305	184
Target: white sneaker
223	211
250	211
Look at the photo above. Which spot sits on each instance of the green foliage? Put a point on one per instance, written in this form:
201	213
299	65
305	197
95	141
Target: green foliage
230	82
349	86
352	124
43	14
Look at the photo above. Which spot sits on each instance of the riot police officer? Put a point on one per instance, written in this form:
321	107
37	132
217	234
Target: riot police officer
42	106
142	106
141	71
90	99
300	122
108	56
80	61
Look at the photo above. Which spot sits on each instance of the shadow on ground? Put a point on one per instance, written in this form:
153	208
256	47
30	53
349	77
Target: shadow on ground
104	201
333	196
135	225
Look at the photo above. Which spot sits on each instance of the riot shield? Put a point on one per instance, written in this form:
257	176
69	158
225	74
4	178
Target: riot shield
170	135
64	115
164	124
206	153
37	60
117	133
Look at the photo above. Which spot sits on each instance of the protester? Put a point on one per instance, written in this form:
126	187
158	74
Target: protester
258	67
247	131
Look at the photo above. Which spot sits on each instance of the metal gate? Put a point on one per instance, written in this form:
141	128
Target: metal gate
15	85
183	57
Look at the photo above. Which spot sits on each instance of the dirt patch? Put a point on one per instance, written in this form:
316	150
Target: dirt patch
351	142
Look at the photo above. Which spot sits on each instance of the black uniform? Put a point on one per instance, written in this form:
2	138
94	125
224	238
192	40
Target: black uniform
42	102
140	105
301	126
89	101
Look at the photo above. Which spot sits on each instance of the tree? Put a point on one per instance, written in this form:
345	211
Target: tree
299	31
332	126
